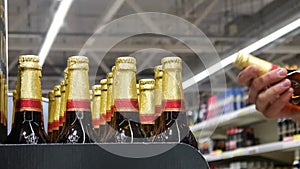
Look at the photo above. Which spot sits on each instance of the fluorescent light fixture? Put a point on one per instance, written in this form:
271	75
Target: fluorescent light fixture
249	49
55	26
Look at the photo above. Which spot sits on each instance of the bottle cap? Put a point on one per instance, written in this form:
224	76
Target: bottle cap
126	63
96	90
158	71
147	84
171	63
78	62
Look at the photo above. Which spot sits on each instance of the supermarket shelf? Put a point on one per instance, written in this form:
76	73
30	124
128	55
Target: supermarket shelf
255	150
244	116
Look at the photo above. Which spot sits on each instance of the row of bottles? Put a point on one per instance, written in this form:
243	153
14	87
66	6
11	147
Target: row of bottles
112	111
3	108
288	129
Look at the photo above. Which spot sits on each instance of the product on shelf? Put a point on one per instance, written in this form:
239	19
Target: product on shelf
103	125
3	108
238	137
96	101
173	123
158	74
147	107
125	101
28	125
244	60
63	104
78	126
109	130
57	103
288	129
51	107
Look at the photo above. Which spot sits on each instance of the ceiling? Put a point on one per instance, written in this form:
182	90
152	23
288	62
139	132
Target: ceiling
228	24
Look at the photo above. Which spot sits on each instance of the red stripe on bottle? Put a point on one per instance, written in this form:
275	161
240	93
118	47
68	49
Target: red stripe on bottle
102	118
108	115
55	125
61	121
50	127
173	105
274	67
126	105
147	118
112	109
82	105
96	123
158	110
29	104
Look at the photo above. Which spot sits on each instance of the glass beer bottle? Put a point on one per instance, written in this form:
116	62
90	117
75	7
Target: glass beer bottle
78	126
51	108
173	122
57	103
158	74
28	126
125	101
110	132
96	100
147	107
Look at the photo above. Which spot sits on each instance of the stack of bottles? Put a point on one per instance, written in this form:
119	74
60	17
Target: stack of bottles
288	129
225	102
112	111
3	107
238	137
253	164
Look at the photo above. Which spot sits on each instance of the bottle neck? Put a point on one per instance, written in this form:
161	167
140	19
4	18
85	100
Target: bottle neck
172	91
96	111
125	94
109	103
30	91
147	106
158	96
56	113
78	95
103	107
62	108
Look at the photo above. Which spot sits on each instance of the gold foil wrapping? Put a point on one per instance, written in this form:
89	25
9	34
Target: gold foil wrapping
57	102
158	74
125	79
96	105
30	77
77	81
103	102
1	98
63	102
51	108
147	106
243	60
171	81
109	98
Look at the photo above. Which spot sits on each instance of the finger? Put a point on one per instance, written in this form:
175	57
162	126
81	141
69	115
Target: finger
246	76
276	109
262	82
269	96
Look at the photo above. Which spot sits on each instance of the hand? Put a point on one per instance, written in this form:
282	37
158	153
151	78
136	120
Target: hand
270	92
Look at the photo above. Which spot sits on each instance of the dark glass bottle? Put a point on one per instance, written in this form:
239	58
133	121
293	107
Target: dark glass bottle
147	107
158	74
96	101
51	108
57	103
296	162
125	101
173	121
62	104
78	126
28	126
110	132
244	60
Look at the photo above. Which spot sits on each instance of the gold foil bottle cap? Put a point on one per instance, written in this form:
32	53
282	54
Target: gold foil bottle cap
158	71
241	60
171	63
29	61
109	78
78	62
57	92
96	90
147	84
50	95
103	84
62	86
126	63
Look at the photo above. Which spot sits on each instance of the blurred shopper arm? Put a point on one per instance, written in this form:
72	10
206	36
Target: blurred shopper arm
270	92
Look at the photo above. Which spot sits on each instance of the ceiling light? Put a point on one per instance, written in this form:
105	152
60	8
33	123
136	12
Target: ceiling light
54	29
249	49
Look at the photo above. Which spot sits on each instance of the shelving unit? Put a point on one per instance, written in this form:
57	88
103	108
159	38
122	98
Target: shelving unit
241	117
275	148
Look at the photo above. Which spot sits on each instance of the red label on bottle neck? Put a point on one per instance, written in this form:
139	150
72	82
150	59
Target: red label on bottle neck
173	105
79	105
61	120
29	105
108	115
126	105
158	110
96	123
102	119
274	67
50	127
147	118
56	125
